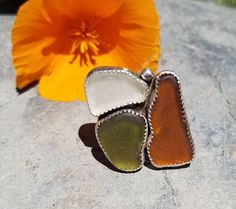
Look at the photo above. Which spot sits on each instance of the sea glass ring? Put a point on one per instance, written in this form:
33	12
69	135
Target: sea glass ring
137	112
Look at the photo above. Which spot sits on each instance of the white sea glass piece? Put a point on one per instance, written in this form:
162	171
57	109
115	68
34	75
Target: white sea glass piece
109	88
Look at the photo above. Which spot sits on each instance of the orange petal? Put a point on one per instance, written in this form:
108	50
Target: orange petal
65	82
30	64
133	32
28	39
128	37
140	34
78	8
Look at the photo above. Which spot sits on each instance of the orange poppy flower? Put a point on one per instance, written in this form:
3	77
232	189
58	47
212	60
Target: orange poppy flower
58	42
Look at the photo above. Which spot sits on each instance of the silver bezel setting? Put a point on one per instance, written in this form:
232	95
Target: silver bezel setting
152	99
133	112
116	70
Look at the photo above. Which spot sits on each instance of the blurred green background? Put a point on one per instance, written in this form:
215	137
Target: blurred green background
231	3
11	6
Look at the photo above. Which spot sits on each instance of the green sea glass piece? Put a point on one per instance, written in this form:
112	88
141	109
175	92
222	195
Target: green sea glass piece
122	136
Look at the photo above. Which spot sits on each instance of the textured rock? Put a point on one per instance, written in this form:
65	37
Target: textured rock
45	164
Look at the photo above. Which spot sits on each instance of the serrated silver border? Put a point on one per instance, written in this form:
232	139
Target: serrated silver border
115	70
152	99
133	112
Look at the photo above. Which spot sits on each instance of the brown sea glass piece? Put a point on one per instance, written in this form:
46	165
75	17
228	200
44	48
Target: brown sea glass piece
170	143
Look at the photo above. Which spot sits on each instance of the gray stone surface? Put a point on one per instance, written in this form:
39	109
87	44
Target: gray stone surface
44	164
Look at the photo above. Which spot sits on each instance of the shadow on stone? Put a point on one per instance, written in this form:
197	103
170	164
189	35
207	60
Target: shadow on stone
10	6
87	135
28	87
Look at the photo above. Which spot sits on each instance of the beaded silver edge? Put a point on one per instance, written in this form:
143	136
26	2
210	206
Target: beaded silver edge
152	99
121	70
133	112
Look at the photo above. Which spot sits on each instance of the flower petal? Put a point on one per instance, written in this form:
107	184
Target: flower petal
139	40
28	39
65	82
132	34
78	8
128	36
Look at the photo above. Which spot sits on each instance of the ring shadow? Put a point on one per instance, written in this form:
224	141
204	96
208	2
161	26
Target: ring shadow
28	87
88	137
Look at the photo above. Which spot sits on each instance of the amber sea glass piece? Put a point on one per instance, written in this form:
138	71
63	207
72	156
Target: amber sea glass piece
170	143
122	137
